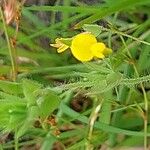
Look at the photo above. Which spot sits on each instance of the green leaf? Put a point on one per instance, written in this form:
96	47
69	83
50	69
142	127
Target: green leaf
32	115
48	142
9	96
101	86
12	113
99	125
144	57
92	28
30	89
114	78
108	9
132	142
48	103
11	87
78	145
105	115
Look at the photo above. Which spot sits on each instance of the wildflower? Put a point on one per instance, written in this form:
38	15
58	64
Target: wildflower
60	45
84	47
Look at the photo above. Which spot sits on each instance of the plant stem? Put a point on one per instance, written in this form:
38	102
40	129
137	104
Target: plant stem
16	141
11	52
92	120
114	31
145	113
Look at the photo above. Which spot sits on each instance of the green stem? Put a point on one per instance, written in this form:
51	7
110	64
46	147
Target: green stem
145	98
92	121
145	113
114	31
26	143
16	141
11	52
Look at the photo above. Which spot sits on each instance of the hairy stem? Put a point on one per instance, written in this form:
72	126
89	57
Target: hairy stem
145	113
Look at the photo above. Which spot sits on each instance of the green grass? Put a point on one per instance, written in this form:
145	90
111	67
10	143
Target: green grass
56	100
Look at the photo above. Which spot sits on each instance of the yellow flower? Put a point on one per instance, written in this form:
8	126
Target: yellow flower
84	47
98	49
80	46
61	47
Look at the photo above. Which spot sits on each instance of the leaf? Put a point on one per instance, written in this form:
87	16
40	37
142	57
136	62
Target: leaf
48	142
48	103
9	96
99	125
78	145
105	115
92	28
12	113
11	87
100	86
144	57
114	78
132	142
29	89
31	117
108	9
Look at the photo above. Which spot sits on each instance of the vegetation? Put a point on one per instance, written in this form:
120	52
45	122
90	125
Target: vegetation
71	100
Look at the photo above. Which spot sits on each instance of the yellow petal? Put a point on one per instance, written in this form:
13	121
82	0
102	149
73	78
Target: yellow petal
81	54
84	40
101	56
80	46
55	45
62	48
98	49
60	45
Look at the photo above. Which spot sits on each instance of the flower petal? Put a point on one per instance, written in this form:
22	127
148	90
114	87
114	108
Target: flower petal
60	45
62	48
97	49
81	54
80	46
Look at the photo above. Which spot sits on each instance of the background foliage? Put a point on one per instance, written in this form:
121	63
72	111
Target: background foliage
57	102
